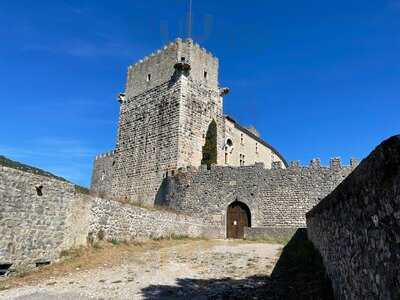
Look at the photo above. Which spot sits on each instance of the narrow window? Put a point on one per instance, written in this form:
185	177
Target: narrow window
241	160
226	158
42	264
241	139
39	190
4	269
205	74
148	77
256	148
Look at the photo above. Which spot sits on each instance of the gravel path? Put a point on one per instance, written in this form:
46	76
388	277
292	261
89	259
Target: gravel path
191	270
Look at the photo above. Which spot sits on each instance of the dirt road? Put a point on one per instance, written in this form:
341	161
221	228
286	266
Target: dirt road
219	269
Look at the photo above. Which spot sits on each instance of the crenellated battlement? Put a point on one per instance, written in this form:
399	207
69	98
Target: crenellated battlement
335	164
277	196
105	154
160	67
178	43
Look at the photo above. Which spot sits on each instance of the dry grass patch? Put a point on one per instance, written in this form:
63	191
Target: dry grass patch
102	254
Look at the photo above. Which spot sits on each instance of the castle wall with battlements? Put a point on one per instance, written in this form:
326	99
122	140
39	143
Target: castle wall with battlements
171	98
102	175
276	197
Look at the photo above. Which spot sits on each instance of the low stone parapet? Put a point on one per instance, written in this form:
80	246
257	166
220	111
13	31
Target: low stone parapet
112	220
278	234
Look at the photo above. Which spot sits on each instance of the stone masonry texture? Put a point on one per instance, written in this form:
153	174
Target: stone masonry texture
125	222
357	228
102	175
276	197
33	226
163	118
269	233
170	99
37	227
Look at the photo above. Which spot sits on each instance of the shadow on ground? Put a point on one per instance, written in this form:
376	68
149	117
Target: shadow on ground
299	274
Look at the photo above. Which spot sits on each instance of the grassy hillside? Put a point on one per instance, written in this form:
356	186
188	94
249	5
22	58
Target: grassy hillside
4	161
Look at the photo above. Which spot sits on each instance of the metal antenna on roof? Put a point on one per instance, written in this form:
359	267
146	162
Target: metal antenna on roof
190	20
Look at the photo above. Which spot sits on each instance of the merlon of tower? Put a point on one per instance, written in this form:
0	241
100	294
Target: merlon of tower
161	66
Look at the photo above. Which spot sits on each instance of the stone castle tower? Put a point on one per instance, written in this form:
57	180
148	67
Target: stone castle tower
170	99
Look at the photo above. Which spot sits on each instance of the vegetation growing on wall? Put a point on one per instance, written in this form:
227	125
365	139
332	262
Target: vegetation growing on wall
210	146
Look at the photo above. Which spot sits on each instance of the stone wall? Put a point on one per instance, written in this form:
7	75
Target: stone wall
164	116
147	144
33	217
160	66
102	174
41	216
271	233
77	221
170	99
275	197
199	106
357	228
125	222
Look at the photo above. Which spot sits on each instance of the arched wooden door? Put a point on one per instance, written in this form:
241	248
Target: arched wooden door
238	217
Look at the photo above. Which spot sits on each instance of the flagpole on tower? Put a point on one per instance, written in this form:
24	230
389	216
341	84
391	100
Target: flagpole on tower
190	20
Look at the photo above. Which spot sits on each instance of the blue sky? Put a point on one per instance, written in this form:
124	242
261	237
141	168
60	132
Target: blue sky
317	78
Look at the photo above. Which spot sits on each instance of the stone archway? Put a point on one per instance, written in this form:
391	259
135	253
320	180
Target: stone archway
238	217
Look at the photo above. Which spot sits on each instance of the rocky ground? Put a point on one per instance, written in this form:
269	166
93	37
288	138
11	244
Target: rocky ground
219	269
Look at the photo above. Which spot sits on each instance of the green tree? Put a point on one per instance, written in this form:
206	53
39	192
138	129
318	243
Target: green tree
210	146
